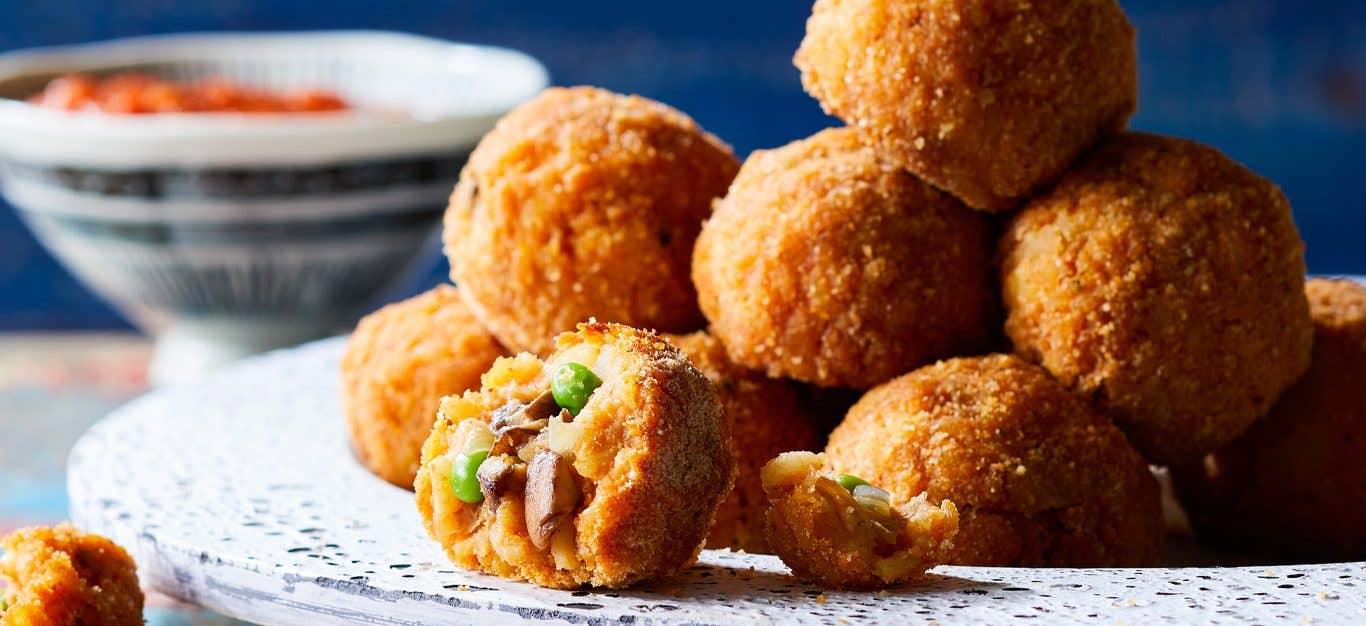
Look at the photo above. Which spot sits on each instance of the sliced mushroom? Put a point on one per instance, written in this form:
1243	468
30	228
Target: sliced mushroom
542	407
496	476
502	413
529	417
552	493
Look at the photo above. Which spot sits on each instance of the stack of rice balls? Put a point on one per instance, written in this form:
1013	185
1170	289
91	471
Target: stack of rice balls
1031	304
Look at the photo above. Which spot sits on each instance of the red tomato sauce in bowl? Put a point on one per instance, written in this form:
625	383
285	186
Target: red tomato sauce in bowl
139	94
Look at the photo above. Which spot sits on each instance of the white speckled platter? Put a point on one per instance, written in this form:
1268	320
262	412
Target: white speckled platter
239	493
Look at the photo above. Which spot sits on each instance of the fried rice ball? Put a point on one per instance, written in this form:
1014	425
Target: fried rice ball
398	364
602	465
987	99
827	264
60	576
584	203
1164	282
1039	478
851	537
766	418
1294	485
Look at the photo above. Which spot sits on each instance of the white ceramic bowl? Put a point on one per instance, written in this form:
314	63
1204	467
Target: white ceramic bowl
229	234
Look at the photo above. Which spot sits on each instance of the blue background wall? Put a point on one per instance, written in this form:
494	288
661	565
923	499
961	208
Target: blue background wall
1278	84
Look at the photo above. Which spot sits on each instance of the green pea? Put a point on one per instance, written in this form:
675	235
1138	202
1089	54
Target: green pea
849	481
571	386
464	479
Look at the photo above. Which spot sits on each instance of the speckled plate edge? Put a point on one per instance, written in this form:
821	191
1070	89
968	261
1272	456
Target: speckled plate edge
237	493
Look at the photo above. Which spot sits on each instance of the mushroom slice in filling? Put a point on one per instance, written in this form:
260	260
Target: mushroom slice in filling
517	422
523	459
497	475
552	493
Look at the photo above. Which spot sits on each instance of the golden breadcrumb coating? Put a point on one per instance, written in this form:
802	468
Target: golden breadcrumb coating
398	364
649	455
583	203
827	264
61	576
988	99
766	418
1294	485
1040	479
1164	282
828	537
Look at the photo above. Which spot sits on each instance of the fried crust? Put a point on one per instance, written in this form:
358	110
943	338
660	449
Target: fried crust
654	463
1164	282
398	364
827	264
61	576
1294	486
583	203
826	537
1040	479
988	99
766	418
